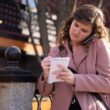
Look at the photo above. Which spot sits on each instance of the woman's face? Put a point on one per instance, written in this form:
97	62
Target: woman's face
79	31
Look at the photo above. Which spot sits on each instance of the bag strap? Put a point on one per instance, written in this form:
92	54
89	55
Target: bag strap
100	99
62	51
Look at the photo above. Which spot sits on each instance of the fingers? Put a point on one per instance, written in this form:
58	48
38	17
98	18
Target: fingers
62	75
63	68
62	72
65	74
45	64
67	77
45	61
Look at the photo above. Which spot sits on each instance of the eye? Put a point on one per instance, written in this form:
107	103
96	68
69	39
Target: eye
76	24
85	31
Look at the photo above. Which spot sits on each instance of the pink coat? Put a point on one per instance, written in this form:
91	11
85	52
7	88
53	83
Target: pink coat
96	58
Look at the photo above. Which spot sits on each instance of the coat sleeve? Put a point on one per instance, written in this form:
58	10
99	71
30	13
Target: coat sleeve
44	88
100	82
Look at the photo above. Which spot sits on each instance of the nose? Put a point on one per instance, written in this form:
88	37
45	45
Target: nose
77	31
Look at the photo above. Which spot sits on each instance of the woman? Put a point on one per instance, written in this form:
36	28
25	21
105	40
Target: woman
83	38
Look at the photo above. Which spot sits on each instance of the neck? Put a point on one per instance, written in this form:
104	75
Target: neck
73	46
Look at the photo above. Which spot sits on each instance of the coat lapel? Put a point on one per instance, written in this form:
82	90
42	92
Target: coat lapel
79	55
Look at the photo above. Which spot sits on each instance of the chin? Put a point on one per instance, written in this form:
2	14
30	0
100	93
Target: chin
74	40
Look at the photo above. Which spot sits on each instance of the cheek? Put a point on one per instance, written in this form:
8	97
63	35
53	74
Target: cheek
71	31
83	36
71	34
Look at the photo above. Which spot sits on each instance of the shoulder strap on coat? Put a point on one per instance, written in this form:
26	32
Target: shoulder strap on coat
62	51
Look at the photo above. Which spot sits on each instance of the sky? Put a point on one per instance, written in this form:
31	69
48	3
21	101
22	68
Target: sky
31	2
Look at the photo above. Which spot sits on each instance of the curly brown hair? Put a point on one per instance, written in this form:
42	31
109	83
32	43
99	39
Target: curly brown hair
86	14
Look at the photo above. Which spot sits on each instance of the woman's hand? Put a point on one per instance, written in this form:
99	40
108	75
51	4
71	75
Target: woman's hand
66	75
45	64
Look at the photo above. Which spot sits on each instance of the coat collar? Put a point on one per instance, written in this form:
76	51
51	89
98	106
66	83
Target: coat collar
79	55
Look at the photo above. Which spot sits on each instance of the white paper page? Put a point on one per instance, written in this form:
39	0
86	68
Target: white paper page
54	67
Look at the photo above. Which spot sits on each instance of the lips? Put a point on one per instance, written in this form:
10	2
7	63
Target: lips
75	36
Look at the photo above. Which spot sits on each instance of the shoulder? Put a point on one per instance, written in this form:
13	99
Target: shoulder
100	44
54	51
